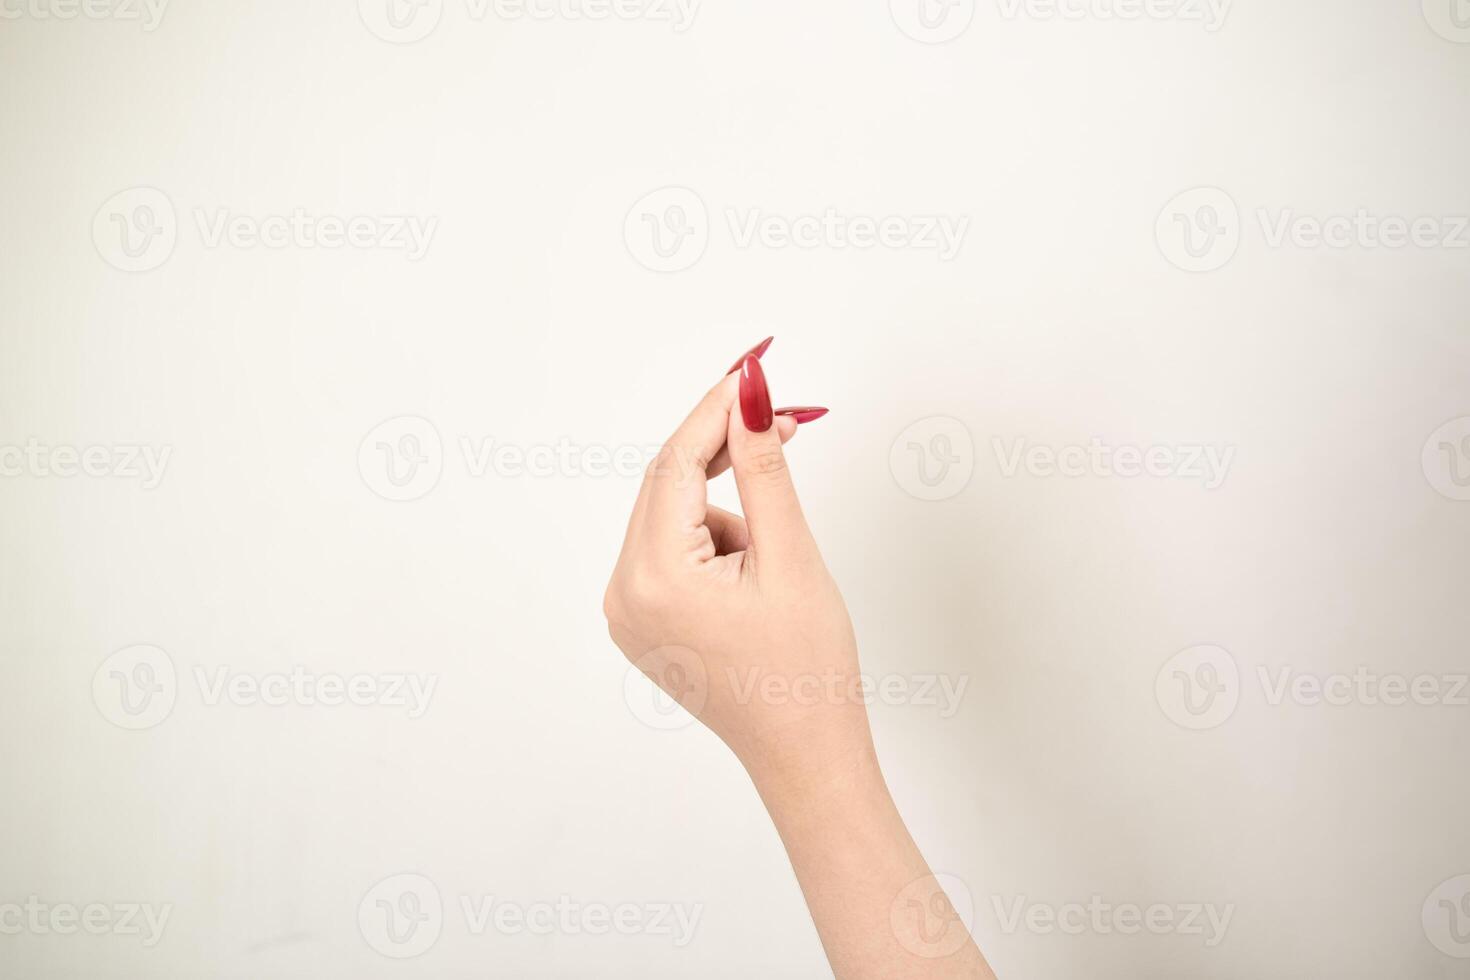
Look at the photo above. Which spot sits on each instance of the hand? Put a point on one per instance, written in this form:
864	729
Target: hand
738	619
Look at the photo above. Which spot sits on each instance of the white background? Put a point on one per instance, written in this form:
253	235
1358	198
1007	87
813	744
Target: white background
530	320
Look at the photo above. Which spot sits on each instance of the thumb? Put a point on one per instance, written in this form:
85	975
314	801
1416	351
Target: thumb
773	514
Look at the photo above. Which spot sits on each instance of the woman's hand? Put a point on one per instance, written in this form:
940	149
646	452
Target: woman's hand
739	620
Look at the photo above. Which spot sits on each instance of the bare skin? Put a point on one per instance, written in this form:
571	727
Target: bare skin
733	616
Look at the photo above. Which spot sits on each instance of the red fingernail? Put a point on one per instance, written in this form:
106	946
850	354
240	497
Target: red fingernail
755	351
755	397
803	415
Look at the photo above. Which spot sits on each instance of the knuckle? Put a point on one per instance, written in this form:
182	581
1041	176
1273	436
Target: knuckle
612	606
698	460
767	464
640	593
645	591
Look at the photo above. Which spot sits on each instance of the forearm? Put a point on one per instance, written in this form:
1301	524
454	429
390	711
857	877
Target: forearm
878	910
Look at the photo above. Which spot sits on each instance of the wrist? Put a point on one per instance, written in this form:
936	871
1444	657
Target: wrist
809	770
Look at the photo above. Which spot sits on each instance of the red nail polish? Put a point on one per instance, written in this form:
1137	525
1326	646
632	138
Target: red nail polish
755	351
755	397
803	415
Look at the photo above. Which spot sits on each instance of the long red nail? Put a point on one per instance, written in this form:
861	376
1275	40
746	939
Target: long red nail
755	397
803	415
755	351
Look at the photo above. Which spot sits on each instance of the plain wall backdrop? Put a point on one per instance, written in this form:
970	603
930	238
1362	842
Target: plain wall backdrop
602	209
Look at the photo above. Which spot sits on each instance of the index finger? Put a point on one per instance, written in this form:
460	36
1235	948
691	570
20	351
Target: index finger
676	485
